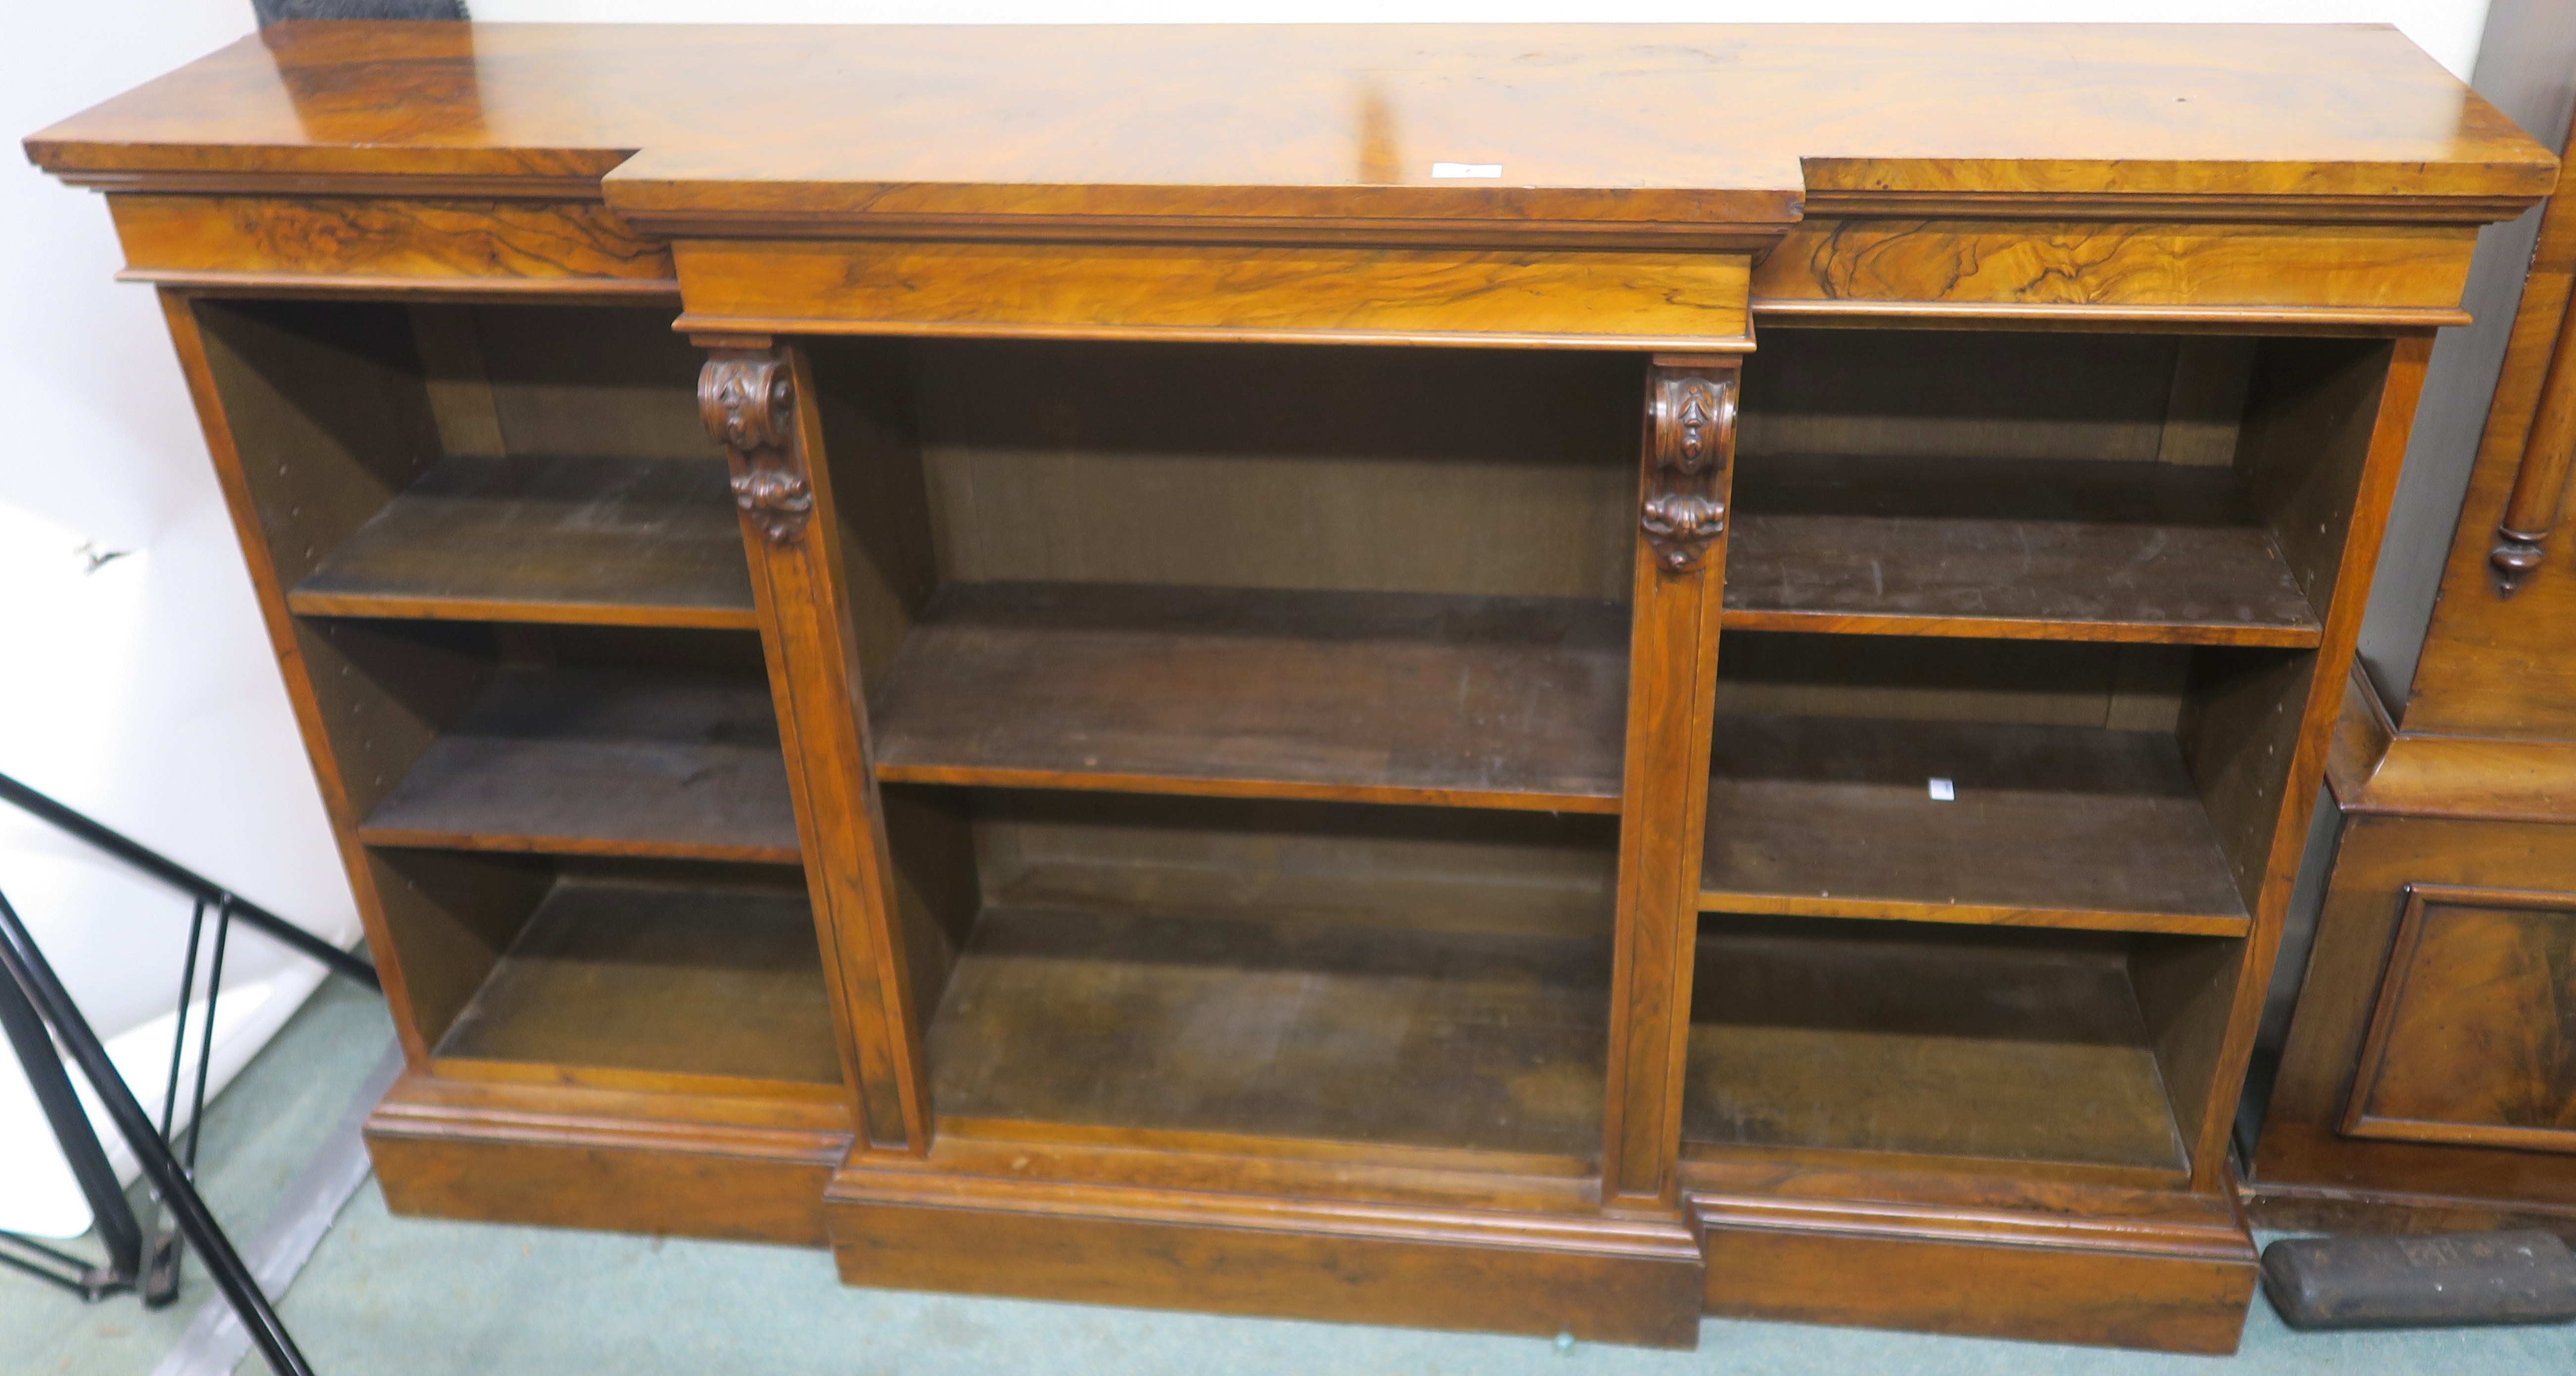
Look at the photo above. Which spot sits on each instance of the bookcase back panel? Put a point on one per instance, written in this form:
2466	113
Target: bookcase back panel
1395	470
2051	683
1999	394
576	380
1432	869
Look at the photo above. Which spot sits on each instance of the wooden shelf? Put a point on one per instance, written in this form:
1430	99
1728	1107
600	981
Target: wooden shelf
1976	1047
656	986
602	762
2038	549
624	542
1276	1029
2052	826
1367	697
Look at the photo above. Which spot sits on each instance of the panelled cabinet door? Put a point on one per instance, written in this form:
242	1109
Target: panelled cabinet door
2473	1041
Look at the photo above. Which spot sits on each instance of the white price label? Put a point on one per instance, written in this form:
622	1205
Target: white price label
1466	169
1943	791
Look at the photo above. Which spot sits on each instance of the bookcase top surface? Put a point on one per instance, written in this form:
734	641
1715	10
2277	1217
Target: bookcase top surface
1564	123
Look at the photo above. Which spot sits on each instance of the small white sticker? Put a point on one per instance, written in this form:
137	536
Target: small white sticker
1466	169
1943	791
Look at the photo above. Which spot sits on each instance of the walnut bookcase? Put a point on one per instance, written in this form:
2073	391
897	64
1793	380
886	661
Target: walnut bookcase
1144	703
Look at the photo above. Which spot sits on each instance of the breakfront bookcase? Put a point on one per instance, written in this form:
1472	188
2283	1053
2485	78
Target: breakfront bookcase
1534	679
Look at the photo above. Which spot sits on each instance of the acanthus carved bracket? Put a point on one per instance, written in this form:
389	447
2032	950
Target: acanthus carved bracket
1691	424
749	406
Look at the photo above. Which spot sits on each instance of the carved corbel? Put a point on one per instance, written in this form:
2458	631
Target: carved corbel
749	406
1691	422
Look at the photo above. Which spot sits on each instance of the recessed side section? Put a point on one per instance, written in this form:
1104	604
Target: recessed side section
1355	293
1922	1042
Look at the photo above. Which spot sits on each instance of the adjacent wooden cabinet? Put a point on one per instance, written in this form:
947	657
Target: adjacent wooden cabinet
1155	695
2428	1080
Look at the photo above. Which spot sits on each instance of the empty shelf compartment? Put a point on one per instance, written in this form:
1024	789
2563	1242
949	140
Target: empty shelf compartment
2023	1046
643	762
604	541
1334	1032
2053	826
681	986
2037	548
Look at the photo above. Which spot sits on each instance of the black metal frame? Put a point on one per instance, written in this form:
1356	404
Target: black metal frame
37	1014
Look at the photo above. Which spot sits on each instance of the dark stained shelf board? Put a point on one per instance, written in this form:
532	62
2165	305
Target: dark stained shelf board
1364	697
2052	826
1316	1031
672	986
602	762
627	542
2021	1051
2038	549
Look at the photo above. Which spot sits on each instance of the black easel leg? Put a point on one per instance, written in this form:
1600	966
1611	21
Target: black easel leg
25	965
114	1214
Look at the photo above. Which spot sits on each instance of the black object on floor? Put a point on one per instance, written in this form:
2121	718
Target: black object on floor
41	1022
2427	1281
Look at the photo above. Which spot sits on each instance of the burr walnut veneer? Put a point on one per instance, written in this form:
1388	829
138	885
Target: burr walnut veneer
1085	663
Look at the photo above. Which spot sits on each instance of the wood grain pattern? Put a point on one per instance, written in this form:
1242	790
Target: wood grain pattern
1284	1257
1490	702
275	241
2049	826
2004	548
708	987
2304	1163
1975	1045
809	637
2399	271
639	542
1219	293
2037	1294
1599	127
452	1150
602	762
1995	1254
2473	1041
1230	1024
1672	682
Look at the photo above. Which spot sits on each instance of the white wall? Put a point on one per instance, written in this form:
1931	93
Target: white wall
2448	29
144	693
